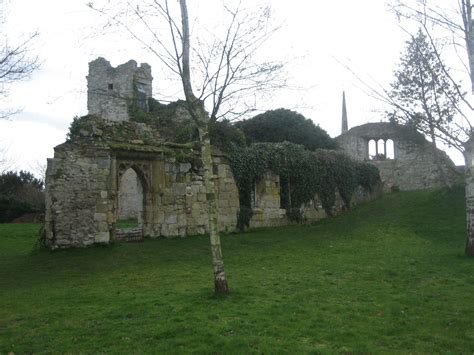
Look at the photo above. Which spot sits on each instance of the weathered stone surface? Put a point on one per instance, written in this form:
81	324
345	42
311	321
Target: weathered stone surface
414	165
110	90
113	168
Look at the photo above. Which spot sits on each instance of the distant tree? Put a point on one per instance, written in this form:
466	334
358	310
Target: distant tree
426	98
286	125
445	24
20	192
423	95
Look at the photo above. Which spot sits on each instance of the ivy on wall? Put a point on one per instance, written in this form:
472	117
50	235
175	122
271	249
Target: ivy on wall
303	174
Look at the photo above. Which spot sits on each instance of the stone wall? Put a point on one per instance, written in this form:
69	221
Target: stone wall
82	191
110	91
79	208
266	209
268	212
415	163
84	177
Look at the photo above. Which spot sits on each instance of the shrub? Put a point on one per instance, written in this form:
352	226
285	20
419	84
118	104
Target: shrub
20	193
286	125
302	175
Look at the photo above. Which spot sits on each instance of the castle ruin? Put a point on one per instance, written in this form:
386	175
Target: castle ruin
113	168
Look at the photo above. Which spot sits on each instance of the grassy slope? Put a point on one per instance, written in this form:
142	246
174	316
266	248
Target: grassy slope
388	276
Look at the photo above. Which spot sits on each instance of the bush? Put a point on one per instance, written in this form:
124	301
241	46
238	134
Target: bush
20	193
286	125
302	175
368	175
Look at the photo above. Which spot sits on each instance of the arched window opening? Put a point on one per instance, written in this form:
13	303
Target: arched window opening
372	149
390	146
130	201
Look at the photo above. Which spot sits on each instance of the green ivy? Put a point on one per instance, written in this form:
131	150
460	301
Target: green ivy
303	174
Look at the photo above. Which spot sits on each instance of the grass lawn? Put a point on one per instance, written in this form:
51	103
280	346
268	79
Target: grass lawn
389	276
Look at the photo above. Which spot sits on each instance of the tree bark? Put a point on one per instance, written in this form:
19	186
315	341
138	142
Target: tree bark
201	118
468	159
468	152
220	279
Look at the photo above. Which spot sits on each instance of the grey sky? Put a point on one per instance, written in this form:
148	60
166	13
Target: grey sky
315	35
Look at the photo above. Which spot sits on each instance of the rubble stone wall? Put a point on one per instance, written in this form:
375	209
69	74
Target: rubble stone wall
79	209
110	90
82	195
268	212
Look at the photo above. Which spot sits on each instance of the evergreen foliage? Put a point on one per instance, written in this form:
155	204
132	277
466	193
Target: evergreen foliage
303	174
286	125
423	95
20	193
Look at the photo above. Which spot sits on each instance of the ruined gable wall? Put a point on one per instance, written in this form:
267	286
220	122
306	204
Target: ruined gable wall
414	166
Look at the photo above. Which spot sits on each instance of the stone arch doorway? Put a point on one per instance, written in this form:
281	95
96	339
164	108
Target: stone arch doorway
132	189
130	197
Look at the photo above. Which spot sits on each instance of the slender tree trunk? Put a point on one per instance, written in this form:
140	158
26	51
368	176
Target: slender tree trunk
201	118
468	159
220	279
466	12
469	149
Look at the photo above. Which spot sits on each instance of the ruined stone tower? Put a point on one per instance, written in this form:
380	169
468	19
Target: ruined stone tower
111	91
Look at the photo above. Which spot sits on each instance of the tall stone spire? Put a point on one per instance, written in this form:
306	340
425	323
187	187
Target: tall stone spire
344	128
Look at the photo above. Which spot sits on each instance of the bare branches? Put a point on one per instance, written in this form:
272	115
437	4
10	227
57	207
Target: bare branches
16	64
186	71
137	21
433	18
226	69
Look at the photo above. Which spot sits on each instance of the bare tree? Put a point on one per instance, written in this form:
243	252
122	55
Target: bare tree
220	75
453	26
425	97
16	61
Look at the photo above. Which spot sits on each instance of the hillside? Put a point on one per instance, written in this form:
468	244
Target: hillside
388	276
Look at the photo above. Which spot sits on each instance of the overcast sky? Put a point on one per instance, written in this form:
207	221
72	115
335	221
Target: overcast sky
316	36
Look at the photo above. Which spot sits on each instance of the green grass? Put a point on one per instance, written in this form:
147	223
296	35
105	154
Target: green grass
127	223
389	276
